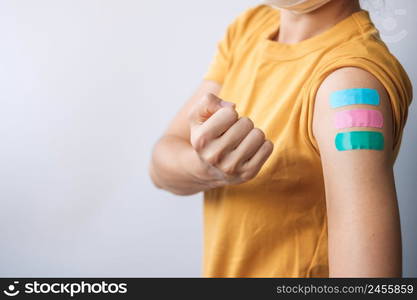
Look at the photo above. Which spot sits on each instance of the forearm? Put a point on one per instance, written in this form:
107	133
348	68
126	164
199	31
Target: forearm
176	167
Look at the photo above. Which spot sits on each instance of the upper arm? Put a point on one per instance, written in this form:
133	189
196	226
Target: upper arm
360	191
179	124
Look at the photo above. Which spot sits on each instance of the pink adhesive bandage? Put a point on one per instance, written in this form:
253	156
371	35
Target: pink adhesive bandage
358	118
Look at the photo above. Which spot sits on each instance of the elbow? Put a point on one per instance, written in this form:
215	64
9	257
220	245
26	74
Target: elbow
153	165
157	183
183	192
156	172
153	176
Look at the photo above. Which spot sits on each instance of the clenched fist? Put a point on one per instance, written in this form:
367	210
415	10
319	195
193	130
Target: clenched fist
233	150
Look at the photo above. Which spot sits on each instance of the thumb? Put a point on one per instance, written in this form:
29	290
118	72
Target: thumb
209	105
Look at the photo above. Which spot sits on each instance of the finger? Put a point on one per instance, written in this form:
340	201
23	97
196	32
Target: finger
218	123
219	147
209	104
255	163
250	144
233	136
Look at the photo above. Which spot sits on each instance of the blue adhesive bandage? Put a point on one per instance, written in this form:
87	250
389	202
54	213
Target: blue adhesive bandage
354	96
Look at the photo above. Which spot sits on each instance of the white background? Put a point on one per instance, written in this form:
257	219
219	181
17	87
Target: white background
86	88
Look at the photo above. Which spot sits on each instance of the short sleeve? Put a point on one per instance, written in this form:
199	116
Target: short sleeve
390	75
222	58
219	64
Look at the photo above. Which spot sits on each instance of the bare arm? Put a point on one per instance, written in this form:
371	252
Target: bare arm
174	164
363	218
207	145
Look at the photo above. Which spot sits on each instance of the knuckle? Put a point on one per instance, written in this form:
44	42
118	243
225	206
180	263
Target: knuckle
247	122
231	112
207	98
247	175
199	141
212	157
259	133
205	101
229	169
210	97
269	145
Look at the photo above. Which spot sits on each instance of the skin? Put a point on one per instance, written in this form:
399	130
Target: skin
198	152
297	27
363	219
207	145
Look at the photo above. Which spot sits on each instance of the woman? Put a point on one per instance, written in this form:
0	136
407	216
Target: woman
292	137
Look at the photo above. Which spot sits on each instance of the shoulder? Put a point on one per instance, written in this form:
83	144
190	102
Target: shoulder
364	105
370	53
365	64
349	77
363	46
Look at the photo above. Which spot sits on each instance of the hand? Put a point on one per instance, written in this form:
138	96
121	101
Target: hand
233	150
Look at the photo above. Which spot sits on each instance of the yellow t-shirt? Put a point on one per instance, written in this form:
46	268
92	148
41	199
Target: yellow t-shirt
275	225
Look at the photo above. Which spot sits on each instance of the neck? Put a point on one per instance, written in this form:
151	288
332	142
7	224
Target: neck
297	27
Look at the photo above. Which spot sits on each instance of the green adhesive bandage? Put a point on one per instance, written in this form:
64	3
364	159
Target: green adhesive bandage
352	140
